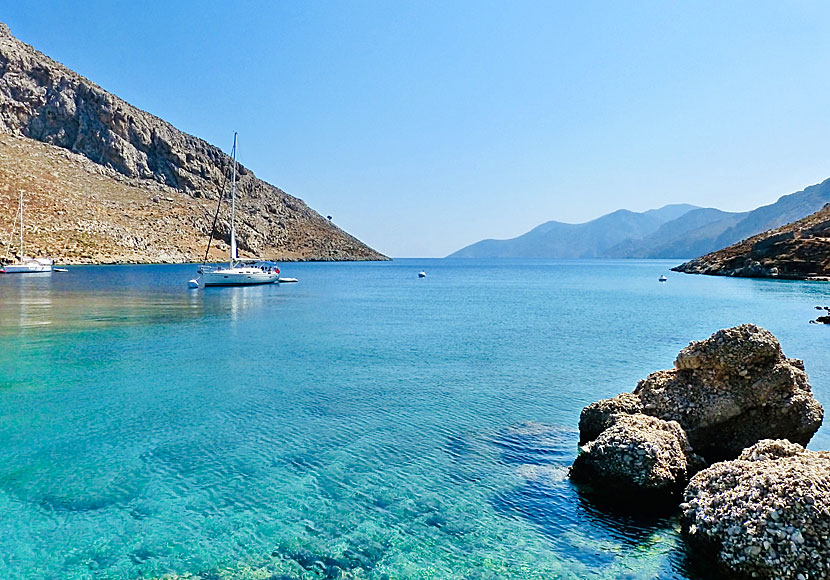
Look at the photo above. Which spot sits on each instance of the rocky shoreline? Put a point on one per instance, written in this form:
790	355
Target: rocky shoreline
721	435
797	251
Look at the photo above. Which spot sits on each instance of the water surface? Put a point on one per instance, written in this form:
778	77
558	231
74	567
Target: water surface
363	423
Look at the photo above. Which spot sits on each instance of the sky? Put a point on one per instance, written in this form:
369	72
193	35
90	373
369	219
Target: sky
422	127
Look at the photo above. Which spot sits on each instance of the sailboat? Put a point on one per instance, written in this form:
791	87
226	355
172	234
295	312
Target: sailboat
25	264
238	272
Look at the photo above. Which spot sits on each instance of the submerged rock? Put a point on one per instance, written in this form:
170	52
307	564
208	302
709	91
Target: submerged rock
764	515
637	455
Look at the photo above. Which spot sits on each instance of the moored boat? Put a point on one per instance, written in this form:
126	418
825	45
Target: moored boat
241	273
24	264
28	266
238	272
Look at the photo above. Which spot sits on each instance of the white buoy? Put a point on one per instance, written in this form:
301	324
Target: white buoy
193	284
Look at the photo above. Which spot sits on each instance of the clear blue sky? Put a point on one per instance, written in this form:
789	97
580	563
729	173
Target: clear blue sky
425	126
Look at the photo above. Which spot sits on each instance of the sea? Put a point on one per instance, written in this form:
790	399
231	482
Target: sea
363	423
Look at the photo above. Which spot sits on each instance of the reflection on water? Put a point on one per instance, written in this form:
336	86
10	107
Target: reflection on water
71	301
362	424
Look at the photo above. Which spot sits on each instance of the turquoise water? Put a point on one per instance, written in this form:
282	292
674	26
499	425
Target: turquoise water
363	423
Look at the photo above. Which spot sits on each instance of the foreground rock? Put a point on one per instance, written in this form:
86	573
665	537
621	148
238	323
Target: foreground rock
799	250
638	455
765	515
727	392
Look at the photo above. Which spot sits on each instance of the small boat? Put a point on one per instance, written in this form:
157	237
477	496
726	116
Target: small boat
238	272
25	265
422	274
662	278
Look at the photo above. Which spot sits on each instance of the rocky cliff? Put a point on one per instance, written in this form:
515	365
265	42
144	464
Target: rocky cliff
799	250
104	172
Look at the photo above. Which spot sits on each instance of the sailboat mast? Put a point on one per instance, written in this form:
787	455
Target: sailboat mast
21	224
233	205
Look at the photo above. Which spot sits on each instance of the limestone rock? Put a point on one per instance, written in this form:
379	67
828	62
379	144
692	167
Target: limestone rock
732	390
764	515
731	351
597	417
639	457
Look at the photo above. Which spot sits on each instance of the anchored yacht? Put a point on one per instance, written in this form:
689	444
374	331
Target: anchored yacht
238	272
25	264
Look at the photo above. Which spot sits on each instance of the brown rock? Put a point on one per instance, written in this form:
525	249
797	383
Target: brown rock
597	417
797	250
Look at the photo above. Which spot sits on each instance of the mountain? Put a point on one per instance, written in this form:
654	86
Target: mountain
587	240
787	209
675	231
798	250
107	182
694	233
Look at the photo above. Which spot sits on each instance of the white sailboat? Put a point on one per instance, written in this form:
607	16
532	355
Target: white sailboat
246	272
25	264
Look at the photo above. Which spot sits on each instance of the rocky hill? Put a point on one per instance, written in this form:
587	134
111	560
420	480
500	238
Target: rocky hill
104	181
799	250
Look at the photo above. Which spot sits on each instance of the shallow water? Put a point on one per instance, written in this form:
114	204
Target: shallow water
363	423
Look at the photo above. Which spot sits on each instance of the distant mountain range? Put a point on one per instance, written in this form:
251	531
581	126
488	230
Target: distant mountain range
673	231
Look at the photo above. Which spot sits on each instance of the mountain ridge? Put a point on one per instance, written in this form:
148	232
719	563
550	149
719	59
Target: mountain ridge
585	240
694	232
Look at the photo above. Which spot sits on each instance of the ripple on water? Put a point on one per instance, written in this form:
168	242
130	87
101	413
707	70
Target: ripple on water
586	532
89	484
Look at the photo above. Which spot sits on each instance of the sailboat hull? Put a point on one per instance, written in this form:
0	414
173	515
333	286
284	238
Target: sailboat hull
239	277
29	267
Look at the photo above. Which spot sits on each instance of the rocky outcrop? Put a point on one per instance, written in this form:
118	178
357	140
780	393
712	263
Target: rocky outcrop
43	100
799	250
732	390
638	456
824	318
765	515
599	416
727	392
